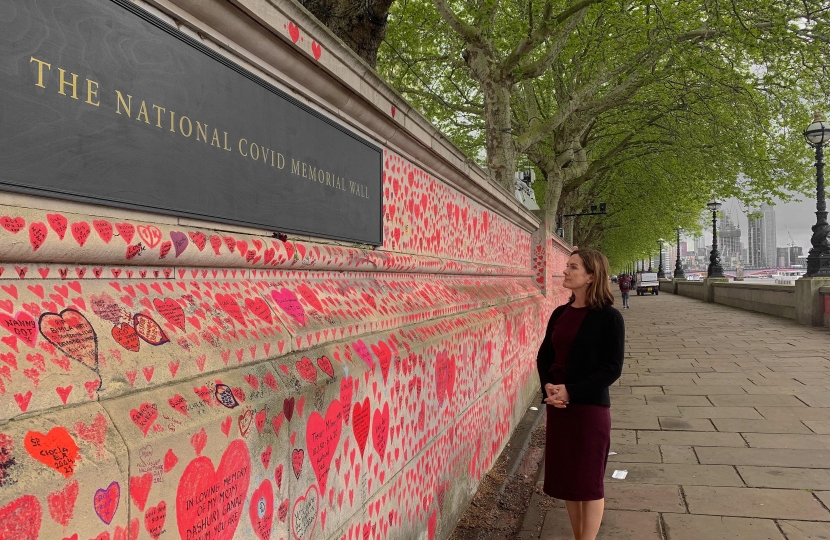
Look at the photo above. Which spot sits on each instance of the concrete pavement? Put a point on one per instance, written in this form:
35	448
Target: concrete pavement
722	420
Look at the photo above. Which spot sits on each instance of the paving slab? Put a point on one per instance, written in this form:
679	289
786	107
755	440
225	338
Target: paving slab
690	401
805	530
700	390
689	527
633	420
797	412
686	424
616	525
747	400
623	436
735	425
676	474
754	502
690	438
678	454
776	440
644	497
785	477
769	457
821	427
748	413
824	497
635	453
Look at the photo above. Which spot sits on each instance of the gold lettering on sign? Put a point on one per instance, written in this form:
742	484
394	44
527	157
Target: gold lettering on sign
295	167
189	126
40	64
172	122
280	161
201	131
240	147
73	84
251	150
215	140
120	101
226	141
159	110
143	111
90	92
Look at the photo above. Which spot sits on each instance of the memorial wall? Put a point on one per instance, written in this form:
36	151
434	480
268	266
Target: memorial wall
300	313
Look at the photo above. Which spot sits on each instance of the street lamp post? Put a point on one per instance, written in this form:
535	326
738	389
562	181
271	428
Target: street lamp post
818	260
650	259
715	268
678	268
661	274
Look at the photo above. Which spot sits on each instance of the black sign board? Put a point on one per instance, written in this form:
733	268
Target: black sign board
102	102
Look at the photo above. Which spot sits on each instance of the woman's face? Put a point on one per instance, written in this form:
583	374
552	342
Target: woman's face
576	277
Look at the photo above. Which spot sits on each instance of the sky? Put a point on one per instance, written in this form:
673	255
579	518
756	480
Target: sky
796	216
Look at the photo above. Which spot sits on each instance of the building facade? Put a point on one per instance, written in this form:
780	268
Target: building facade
761	239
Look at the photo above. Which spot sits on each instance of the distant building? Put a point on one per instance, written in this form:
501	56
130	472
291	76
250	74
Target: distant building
761	251
729	241
683	249
795	253
783	257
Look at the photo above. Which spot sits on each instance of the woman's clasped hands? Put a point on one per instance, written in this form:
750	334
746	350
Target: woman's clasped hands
557	395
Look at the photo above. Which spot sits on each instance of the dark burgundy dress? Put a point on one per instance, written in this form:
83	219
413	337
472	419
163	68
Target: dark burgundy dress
578	437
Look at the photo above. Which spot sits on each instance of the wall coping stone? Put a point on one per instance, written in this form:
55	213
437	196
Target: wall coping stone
343	85
772	287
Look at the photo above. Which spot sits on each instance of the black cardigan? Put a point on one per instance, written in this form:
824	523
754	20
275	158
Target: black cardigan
595	359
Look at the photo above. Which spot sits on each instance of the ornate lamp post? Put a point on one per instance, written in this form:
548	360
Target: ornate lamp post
678	268
661	274
818	260
715	268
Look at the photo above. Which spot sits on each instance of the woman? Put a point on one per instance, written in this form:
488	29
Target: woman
580	357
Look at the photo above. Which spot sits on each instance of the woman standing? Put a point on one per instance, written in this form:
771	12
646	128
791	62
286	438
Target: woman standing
580	357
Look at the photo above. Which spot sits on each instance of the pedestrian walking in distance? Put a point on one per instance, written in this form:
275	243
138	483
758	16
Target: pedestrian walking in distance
580	357
625	288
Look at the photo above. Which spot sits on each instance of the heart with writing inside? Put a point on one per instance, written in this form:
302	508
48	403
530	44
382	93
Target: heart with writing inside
22	325
288	302
304	514
105	502
360	423
261	510
56	449
200	488
322	438
71	332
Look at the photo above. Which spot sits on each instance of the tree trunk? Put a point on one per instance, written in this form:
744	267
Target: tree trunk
361	25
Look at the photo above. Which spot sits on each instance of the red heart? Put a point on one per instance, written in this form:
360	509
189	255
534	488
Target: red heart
316	50
71	332
21	518
170	460
126	336
104	229
13	225
260	308
360	423
140	489
58	223
170	310
199	477
294	32
37	235
297	457
62	503
57	449
105	502
325	366
306	370
305	511
322	438
198	441
22	325
80	231
144	417
380	429
261	510
154	519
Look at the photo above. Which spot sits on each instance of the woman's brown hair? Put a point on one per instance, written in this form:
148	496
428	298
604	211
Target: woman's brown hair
599	290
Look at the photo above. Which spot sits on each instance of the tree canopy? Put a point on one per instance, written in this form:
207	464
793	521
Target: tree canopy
649	106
